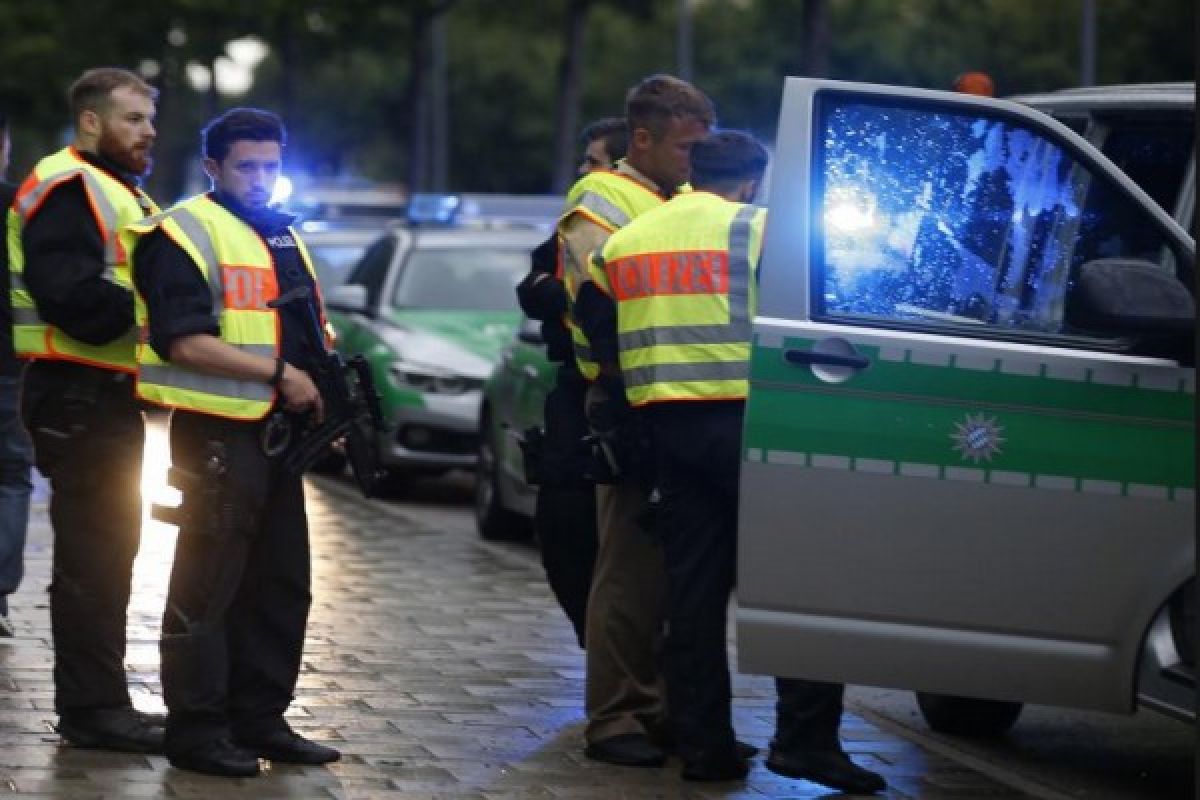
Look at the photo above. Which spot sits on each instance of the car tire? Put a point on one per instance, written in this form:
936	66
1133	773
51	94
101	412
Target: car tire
492	519
969	717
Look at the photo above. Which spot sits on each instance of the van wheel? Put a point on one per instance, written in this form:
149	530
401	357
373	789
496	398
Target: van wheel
492	519
968	716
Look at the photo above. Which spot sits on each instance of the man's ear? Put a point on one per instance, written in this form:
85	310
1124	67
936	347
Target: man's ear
89	123
748	190
211	168
641	139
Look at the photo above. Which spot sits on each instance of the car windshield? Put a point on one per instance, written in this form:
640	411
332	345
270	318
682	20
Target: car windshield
333	261
461	279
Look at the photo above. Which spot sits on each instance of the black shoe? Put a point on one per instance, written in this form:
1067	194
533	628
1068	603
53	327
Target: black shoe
217	757
288	747
744	750
122	729
831	768
627	750
727	767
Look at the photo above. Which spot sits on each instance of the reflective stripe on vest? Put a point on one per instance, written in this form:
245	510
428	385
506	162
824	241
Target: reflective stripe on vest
113	205
684	313
240	272
611	200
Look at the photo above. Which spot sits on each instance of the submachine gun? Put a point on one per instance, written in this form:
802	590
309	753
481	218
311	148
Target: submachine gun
353	415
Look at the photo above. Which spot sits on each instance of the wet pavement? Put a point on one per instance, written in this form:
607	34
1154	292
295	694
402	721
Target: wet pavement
437	663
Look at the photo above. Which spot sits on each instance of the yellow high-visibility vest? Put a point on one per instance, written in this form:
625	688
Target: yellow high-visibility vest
682	278
114	205
240	271
611	200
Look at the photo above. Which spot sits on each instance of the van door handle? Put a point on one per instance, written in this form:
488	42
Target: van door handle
811	357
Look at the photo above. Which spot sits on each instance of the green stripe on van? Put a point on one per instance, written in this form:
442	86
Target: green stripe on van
916	413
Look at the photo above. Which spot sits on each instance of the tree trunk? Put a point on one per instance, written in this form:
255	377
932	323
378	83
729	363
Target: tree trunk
417	101
570	68
168	181
815	53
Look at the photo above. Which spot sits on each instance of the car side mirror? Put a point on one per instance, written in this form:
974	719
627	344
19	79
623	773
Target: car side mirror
530	332
348	298
1134	299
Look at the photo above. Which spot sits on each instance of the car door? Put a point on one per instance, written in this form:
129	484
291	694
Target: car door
371	272
948	485
517	390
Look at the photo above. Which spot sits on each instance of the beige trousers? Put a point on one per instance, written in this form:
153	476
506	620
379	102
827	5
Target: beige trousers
624	691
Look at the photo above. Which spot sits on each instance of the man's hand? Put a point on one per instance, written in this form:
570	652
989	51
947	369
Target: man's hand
300	393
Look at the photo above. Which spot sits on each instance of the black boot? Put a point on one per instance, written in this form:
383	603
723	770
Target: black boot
216	757
288	747
123	729
832	768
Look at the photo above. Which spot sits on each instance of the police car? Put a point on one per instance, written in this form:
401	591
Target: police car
431	304
969	452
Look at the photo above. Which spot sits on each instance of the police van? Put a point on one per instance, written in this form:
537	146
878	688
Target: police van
969	456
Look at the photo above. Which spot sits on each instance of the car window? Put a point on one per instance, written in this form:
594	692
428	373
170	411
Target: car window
466	279
333	260
372	271
1153	152
976	222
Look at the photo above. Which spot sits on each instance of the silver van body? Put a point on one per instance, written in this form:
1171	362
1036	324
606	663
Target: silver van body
959	477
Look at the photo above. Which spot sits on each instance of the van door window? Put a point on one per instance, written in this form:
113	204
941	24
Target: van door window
1154	153
930	218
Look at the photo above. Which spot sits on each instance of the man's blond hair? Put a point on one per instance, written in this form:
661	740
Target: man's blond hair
92	91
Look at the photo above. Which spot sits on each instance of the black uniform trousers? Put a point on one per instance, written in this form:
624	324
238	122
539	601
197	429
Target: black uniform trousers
698	458
565	515
238	599
88	432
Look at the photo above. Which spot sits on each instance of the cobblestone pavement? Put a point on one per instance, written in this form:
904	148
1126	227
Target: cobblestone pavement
438	664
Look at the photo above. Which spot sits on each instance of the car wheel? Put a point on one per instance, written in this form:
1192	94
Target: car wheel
968	716
492	519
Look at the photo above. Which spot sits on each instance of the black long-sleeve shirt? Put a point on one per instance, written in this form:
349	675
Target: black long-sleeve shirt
64	263
543	297
179	300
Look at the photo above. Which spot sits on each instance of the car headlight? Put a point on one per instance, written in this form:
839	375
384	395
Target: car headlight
423	378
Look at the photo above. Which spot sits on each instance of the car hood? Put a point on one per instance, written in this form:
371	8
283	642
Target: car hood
468	342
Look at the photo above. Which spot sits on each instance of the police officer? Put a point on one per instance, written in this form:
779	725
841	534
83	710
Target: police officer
681	281
73	316
16	451
625	708
565	516
225	360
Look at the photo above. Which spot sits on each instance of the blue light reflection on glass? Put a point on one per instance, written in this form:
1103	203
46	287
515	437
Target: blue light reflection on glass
942	217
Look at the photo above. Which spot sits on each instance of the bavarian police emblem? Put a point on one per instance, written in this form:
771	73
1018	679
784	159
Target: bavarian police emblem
978	437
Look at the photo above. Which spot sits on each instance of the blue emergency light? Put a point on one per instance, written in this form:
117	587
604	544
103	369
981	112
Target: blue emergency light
440	209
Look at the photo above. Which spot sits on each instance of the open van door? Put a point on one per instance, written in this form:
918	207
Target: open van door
969	442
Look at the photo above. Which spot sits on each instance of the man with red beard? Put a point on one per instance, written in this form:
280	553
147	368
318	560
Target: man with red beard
73	321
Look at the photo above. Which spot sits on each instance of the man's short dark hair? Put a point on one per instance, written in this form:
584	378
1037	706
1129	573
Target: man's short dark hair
610	130
92	91
724	159
240	124
658	99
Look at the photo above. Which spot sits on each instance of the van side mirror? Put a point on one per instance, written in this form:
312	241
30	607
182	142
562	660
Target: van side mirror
348	298
1131	298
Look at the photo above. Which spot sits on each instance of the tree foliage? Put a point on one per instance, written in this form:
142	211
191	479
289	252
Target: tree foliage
346	74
